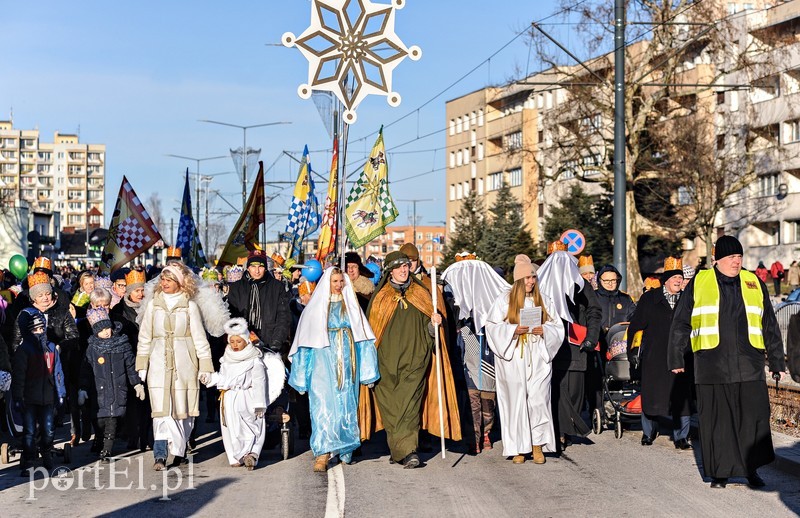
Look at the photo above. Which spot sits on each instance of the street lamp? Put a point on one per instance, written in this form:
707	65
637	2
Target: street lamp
244	149
197	183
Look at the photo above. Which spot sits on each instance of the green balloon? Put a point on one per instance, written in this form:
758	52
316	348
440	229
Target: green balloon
18	265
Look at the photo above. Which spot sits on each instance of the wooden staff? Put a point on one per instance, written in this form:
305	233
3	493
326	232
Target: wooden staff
434	296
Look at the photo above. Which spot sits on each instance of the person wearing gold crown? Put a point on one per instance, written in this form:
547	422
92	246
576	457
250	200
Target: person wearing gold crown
726	316
174	254
586	267
576	304
664	394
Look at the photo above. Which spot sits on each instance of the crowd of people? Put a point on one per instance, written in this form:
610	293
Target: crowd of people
389	348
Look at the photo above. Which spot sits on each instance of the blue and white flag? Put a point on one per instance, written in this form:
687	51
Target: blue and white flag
304	211
188	239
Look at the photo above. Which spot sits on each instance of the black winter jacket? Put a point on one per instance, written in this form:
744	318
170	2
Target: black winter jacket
61	329
586	312
110	363
32	382
617	305
276	319
734	360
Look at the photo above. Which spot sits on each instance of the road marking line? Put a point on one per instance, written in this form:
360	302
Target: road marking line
334	506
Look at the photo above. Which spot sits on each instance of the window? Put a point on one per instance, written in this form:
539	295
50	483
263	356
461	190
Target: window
43	169
494	181
721	98
452	126
459	125
720	142
480	151
685	195
452	159
591	164
591	123
768	184
513	141
792	130
466	190
452	191
466	122
480	117
459	158
459	191
474	138
794	231
480	186
466	156
568	169
452	224
60	154
75	205
473	118
515	177
429	235
95	195
732	7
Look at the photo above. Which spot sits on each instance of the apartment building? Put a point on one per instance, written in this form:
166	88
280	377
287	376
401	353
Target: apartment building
63	176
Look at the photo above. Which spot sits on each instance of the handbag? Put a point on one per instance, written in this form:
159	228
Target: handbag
576	334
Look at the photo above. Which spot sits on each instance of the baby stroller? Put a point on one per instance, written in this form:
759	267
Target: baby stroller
621	399
13	424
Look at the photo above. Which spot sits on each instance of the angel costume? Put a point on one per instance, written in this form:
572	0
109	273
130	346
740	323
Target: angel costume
523	370
332	353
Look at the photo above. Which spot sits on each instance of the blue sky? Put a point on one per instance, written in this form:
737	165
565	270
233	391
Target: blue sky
137	76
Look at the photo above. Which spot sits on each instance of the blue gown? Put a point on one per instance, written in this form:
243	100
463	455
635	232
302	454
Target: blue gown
333	386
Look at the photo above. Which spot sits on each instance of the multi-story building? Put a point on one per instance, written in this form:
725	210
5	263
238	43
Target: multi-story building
429	240
64	176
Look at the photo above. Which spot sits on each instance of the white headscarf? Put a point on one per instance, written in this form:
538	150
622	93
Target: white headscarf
558	276
475	286
312	330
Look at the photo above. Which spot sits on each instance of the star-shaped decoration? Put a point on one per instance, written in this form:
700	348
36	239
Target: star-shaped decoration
352	50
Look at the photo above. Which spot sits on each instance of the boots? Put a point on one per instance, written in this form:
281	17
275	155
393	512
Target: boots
538	455
518	459
250	461
321	463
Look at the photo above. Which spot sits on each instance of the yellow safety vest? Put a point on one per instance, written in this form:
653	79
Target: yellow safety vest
705	314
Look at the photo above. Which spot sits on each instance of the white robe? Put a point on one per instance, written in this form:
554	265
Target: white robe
523	379
244	383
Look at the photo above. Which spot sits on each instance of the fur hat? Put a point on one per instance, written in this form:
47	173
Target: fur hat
556	246
523	267
134	279
238	327
98	318
410	250
38	283
586	264
726	246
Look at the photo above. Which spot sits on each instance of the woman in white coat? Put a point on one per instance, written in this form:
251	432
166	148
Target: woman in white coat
523	365
172	355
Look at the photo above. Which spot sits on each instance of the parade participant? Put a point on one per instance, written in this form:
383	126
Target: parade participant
663	393
174	255
576	305
242	382
80	299
332	353
360	277
402	316
37	383
586	268
108	368
417	270
688	275
106	285
523	355
119	284
172	350
263	302
726	315
651	283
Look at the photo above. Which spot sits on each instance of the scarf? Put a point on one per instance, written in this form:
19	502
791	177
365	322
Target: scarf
672	298
255	303
249	352
132	304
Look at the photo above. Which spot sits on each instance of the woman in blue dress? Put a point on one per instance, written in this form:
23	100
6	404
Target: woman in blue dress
332	353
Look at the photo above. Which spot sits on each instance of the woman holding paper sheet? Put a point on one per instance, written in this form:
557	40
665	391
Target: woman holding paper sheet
523	364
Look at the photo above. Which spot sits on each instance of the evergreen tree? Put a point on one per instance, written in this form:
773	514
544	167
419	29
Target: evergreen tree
506	234
593	216
469	229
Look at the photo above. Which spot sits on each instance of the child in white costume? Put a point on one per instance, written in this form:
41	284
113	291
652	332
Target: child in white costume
243	380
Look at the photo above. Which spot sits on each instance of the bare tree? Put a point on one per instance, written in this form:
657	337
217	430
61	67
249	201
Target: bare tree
156	212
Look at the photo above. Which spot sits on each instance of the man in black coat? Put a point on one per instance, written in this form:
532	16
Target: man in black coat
663	392
727	314
263	302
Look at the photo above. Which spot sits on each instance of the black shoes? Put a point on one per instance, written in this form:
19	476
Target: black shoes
755	481
719	483
411	461
649	440
683	444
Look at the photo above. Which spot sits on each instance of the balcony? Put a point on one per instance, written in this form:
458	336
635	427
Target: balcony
75	157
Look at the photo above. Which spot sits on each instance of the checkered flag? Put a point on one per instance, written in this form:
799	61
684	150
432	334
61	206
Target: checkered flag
303	217
188	238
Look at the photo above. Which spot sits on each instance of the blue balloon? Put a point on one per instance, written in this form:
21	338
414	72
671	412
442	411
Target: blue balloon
312	270
376	272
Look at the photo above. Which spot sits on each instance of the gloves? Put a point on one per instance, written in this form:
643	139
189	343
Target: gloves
587	347
143	375
139	391
204	377
82	397
371	385
260	412
635	361
302	392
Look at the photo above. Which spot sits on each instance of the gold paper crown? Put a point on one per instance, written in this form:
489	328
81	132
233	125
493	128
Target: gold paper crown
673	263
42	262
173	251
135	277
278	259
465	256
585	260
306	288
651	283
556	246
38	278
241	261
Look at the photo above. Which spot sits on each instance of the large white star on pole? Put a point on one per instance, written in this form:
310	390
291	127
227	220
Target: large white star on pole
352	50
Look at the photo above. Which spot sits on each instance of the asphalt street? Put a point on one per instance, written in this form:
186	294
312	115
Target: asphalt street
601	477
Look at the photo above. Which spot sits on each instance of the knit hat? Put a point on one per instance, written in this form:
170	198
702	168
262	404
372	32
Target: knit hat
354	258
556	246
119	274
410	250
726	246
237	327
523	267
134	279
585	264
98	319
259	257
672	266
38	283
394	260
688	271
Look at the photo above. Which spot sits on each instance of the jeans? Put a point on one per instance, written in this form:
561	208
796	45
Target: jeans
160	450
44	417
680	426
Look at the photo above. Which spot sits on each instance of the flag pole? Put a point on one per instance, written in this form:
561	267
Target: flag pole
343	189
434	297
